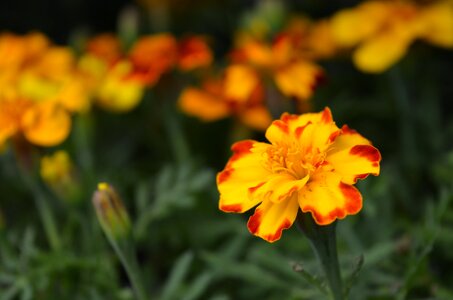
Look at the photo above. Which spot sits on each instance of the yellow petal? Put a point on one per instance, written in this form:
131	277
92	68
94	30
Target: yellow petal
56	167
294	125
351	26
270	219
240	82
278	188
244	171
437	24
11	112
328	198
201	104
46	124
380	52
298	79
117	93
256	117
353	157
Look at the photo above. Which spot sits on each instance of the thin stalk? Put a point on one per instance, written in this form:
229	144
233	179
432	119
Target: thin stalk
127	257
178	141
48	222
323	242
44	210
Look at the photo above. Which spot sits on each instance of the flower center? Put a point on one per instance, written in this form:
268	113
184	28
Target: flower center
293	160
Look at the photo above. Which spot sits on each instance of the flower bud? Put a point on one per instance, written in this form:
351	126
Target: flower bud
111	212
59	173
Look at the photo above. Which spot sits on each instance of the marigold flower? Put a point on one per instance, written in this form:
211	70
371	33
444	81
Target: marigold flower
309	164
111	78
106	47
238	93
152	56
194	52
382	31
295	75
44	124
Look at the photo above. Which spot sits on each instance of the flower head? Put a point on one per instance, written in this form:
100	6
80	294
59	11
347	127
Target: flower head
382	31
309	164
238	93
282	61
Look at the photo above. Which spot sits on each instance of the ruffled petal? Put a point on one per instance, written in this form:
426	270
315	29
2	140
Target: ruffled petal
298	79
436	23
243	172
278	188
380	52
257	117
322	131
240	82
203	105
351	26
270	219
46	124
327	198
353	157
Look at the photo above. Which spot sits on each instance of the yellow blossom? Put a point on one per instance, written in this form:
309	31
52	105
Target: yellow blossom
382	31
239	93
310	165
118	93
45	123
110	78
294	75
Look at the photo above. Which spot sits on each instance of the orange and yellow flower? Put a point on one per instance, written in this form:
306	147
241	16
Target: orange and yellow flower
194	52
118	79
238	93
294	75
44	124
310	165
382	31
39	89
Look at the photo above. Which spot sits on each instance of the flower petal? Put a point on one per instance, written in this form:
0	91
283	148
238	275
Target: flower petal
203	105
382	51
288	124
278	188
328	198
242	172
270	219
46	124
298	79
256	117
240	82
353	157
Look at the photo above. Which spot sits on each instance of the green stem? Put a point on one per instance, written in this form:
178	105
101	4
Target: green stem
44	210
406	119
178	141
126	254
48	222
323	242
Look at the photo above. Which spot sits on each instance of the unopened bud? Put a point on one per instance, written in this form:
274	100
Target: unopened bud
111	212
59	173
